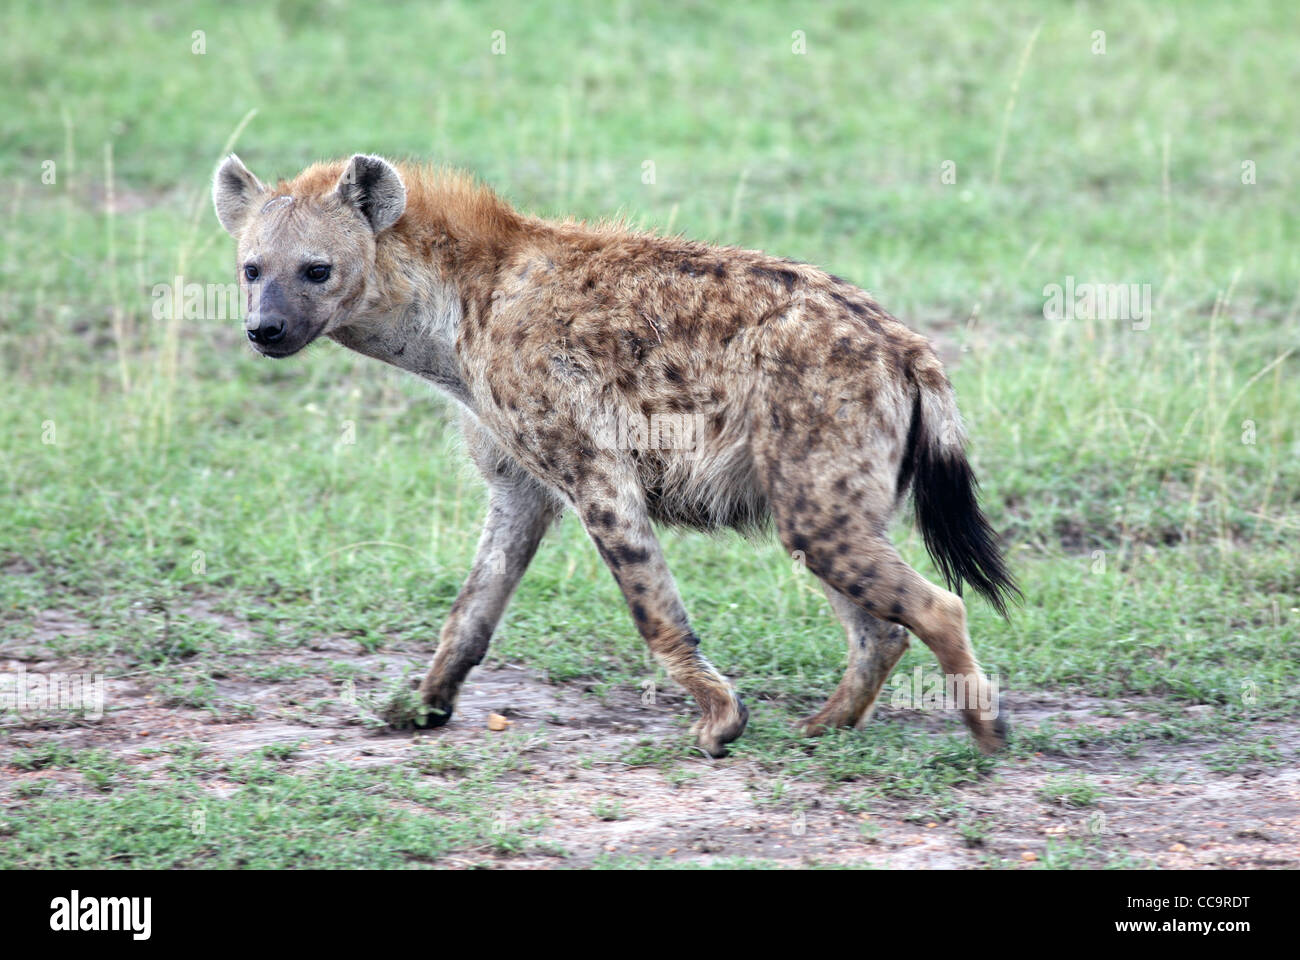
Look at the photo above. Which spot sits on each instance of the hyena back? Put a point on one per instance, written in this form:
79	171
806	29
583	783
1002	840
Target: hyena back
792	399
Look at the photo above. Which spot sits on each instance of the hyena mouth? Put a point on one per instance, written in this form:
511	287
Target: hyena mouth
289	345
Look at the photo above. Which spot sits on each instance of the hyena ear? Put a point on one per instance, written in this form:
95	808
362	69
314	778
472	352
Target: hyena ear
372	187
233	191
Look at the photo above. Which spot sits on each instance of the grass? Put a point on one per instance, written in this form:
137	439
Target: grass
267	816
192	507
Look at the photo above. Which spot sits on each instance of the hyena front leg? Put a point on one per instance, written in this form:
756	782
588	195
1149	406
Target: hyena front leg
519	512
875	647
615	517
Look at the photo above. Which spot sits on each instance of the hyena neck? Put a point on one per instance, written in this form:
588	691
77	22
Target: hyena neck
438	261
416	332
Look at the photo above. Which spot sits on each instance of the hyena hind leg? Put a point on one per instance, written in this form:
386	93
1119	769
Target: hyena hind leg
615	517
875	647
866	568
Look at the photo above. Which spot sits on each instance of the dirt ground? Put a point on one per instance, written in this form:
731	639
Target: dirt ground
1159	804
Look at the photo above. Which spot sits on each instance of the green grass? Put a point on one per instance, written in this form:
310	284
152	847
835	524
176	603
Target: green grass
332	818
1147	482
1070	792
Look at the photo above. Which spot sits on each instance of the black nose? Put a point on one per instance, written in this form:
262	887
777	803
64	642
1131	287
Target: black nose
267	331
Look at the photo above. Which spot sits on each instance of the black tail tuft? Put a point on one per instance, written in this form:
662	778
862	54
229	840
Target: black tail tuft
957	534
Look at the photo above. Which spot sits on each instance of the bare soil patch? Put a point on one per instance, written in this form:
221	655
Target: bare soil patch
1158	804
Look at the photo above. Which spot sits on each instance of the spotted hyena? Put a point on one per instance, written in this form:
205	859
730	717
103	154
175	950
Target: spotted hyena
639	379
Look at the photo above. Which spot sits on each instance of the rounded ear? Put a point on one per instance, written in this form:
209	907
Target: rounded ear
374	188
233	191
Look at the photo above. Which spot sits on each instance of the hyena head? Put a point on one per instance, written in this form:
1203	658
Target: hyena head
305	255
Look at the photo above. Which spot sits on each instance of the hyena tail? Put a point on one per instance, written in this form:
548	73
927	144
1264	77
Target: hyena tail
957	535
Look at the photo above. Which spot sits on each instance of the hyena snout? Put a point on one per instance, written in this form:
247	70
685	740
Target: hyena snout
276	334
284	316
265	329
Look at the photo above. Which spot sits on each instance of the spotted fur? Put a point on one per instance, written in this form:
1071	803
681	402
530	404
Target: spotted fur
795	401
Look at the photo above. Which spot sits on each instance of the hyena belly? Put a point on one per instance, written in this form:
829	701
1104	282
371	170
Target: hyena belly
692	465
710	487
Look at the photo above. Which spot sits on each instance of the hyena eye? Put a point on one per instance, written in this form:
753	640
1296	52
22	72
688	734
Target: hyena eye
318	273
250	272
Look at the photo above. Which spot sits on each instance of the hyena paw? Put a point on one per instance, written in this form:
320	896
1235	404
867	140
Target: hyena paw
990	733
438	708
715	732
814	726
829	717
